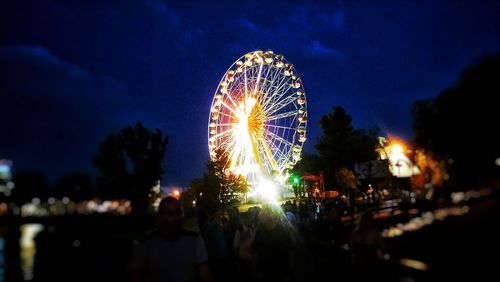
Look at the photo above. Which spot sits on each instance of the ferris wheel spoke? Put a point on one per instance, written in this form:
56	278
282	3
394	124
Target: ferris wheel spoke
219	135
272	86
227	145
245	81
227	149
279	126
255	73
275	149
230	98
268	80
225	124
276	83
268	153
279	138
279	105
258	80
282	152
226	115
223	138
229	108
282	115
279	92
278	154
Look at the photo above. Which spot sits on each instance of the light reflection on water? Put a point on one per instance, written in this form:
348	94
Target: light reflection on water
28	248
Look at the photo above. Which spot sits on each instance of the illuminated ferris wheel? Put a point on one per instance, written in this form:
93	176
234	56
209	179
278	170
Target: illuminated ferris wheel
258	116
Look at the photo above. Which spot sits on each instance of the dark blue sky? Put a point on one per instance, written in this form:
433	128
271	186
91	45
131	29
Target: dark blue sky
75	71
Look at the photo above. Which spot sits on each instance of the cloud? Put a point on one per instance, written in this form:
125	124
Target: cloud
29	65
334	20
246	23
294	30
56	112
317	49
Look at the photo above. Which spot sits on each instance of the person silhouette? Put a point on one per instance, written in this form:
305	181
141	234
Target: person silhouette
367	249
170	253
273	247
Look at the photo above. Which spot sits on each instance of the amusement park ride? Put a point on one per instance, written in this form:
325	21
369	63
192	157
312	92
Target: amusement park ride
258	118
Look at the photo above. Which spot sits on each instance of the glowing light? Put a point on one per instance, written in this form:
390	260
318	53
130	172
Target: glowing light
250	124
397	149
267	190
414	264
400	164
28	248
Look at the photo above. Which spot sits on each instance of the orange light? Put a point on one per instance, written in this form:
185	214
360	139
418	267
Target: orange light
397	149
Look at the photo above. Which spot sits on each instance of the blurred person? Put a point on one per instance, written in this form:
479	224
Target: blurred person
214	235
273	248
242	245
170	253
326	243
367	249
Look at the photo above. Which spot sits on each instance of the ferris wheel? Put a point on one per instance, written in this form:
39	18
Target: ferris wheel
258	116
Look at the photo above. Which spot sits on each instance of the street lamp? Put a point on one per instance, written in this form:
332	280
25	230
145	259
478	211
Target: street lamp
397	154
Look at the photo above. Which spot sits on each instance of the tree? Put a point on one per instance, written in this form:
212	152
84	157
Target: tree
457	125
346	179
131	164
309	163
221	187
349	185
341	145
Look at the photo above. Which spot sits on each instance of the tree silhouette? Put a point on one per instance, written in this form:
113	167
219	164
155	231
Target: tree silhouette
346	180
459	126
131	164
342	146
221	187
309	163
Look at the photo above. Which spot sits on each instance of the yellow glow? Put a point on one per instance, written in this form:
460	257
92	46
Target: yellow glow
420	265
248	133
397	149
256	119
396	152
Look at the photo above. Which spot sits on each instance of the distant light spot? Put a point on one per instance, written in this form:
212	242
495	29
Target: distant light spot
11	185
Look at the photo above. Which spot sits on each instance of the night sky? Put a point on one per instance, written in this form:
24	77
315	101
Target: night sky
72	72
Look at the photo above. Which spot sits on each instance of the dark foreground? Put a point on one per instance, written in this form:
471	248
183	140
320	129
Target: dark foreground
97	248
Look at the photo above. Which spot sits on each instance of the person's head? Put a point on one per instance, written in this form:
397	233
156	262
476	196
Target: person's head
170	215
268	217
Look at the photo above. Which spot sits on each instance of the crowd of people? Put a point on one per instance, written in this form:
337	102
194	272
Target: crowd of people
292	242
